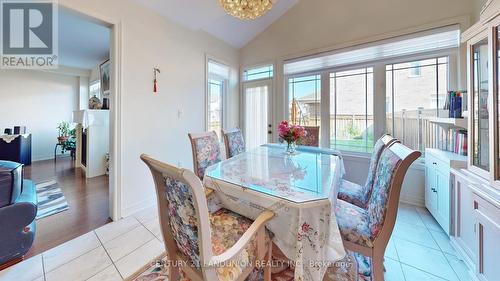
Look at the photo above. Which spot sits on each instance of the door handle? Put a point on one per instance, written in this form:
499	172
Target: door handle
270	132
433	190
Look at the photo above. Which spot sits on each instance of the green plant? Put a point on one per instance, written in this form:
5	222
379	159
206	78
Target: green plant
69	145
353	131
63	128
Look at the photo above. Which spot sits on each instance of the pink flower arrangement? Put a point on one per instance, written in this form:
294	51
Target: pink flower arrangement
291	133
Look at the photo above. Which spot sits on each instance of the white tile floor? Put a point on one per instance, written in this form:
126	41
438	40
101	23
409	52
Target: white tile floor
419	250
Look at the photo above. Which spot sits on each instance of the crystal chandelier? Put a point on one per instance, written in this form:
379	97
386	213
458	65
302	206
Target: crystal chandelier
246	9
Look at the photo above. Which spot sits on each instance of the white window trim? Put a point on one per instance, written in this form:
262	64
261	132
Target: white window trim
225	86
272	100
379	88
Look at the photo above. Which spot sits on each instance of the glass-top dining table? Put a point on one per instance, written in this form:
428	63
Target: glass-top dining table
301	189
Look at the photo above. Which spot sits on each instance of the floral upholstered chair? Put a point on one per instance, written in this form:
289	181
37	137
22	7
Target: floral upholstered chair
206	151
221	246
312	137
360	194
234	142
367	231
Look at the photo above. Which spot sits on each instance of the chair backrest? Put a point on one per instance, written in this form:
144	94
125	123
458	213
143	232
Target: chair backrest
183	212
234	142
312	137
206	151
382	206
381	144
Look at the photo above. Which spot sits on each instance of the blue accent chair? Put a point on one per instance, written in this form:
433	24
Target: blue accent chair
18	207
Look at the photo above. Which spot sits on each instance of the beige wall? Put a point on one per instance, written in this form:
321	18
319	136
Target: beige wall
38	100
158	124
316	24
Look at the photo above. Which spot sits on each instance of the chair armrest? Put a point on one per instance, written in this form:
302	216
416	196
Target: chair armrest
231	253
23	211
28	194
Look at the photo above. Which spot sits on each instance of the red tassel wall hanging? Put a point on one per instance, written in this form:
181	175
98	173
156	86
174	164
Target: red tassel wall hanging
155	81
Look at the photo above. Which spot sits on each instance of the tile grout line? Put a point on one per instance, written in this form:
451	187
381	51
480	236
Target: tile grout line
70	260
440	250
154	237
112	262
425	271
43	268
151	231
134	227
443	252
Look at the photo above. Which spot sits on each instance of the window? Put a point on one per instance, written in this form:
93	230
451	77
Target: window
215	105
415	69
352	87
304	95
95	89
351	110
412	100
218	75
256	73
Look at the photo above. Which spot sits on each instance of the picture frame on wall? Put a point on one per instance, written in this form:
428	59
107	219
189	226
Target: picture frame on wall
104	74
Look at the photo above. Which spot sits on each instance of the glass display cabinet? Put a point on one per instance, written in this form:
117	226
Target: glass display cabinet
480	95
483	53
476	190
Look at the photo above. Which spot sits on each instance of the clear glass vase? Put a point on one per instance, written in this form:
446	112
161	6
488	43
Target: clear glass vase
291	147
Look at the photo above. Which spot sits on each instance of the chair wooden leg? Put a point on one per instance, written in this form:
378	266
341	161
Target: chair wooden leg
378	267
268	259
173	273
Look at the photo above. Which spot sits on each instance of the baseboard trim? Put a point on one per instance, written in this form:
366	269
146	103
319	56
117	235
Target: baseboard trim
412	200
138	206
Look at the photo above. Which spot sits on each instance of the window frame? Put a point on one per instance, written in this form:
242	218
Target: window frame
225	84
379	98
245	69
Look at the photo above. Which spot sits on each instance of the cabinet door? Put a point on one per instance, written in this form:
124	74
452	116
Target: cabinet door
465	221
430	186
488	232
480	96
443	200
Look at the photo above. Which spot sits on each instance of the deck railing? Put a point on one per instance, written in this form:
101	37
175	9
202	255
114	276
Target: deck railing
412	127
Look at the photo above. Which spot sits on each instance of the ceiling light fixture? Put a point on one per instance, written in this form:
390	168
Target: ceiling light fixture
246	9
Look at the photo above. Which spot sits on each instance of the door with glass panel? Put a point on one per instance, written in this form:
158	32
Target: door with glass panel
480	97
257	97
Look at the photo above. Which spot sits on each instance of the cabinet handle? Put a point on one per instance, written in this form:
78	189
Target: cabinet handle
433	190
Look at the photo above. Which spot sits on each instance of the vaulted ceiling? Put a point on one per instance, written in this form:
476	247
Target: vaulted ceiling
209	16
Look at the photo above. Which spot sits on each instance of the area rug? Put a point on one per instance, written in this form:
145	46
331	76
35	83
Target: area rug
51	200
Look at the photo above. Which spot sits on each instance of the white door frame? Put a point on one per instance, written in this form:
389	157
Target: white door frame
116	44
270	103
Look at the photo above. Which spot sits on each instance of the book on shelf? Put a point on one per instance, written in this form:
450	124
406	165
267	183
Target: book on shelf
453	140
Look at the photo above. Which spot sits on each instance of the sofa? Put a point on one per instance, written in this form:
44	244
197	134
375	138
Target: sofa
18	207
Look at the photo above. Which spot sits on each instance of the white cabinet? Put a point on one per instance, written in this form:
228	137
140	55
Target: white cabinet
487	217
437	184
464	225
476	224
92	141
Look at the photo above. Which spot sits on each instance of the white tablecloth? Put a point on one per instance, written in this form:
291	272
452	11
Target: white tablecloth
300	189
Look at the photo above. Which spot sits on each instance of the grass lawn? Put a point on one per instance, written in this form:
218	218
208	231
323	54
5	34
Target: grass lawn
353	145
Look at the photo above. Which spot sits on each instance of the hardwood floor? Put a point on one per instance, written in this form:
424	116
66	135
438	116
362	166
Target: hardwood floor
88	202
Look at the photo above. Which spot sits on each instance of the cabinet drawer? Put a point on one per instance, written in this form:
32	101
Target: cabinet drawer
486	210
438	164
488	231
